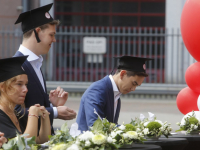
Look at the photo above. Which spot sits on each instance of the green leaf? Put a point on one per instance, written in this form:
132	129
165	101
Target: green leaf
20	143
179	130
34	147
31	141
9	145
49	136
97	126
101	148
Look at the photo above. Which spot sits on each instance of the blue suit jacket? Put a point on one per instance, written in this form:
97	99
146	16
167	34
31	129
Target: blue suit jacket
101	97
36	94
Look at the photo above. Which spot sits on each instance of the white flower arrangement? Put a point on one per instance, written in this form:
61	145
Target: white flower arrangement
151	127
126	134
102	135
189	123
98	137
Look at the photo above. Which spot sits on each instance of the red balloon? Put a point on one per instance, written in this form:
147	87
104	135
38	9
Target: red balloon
190	23
187	100
192	77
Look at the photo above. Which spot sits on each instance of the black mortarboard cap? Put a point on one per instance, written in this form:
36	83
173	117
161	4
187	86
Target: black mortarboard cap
130	63
35	18
11	67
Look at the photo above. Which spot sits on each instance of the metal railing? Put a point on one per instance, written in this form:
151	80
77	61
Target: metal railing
66	61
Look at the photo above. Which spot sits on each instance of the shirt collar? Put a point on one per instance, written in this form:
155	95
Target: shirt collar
31	55
115	89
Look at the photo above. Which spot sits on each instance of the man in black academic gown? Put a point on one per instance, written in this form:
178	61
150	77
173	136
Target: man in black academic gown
39	29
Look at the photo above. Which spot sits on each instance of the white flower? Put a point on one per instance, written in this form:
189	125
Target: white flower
125	136
132	134
142	117
113	134
140	135
159	122
77	142
146	131
119	132
109	140
16	138
114	140
192	125
99	139
74	132
151	116
195	127
73	147
122	127
166	132
59	146
86	136
182	122
162	128
87	143
138	130
146	123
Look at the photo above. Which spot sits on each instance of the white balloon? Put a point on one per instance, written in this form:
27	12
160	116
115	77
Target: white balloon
197	115
198	102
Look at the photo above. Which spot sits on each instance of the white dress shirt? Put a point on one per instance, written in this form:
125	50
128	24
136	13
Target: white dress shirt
36	63
116	94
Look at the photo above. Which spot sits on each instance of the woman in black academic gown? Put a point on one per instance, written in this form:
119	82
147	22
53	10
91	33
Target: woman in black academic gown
13	89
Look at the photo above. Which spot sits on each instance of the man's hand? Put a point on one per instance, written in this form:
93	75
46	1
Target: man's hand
2	139
66	113
58	97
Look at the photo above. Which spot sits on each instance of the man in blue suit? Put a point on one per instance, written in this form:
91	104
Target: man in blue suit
39	30
104	95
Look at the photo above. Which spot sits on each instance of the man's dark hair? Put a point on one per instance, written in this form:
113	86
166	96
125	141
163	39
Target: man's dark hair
132	73
28	34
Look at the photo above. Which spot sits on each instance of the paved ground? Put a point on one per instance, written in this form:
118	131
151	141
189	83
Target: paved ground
165	110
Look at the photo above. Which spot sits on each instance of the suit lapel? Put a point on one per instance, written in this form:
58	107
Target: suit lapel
44	81
33	74
117	111
110	108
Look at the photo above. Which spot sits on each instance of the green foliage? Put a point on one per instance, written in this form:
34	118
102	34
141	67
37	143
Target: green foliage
153	125
107	126
130	127
97	126
135	122
193	120
61	146
61	135
18	143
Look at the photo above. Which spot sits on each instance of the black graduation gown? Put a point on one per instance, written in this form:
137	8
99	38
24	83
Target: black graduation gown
7	126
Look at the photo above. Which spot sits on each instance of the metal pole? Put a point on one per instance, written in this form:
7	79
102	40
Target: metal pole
24	5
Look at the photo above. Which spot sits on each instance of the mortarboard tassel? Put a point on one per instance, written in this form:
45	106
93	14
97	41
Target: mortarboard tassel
36	35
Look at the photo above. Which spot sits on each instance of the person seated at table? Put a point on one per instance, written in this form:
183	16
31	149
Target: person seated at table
2	139
104	95
13	89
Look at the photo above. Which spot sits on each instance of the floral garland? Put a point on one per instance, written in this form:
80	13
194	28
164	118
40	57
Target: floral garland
102	135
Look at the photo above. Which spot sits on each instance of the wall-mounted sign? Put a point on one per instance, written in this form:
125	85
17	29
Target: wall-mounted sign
94	45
